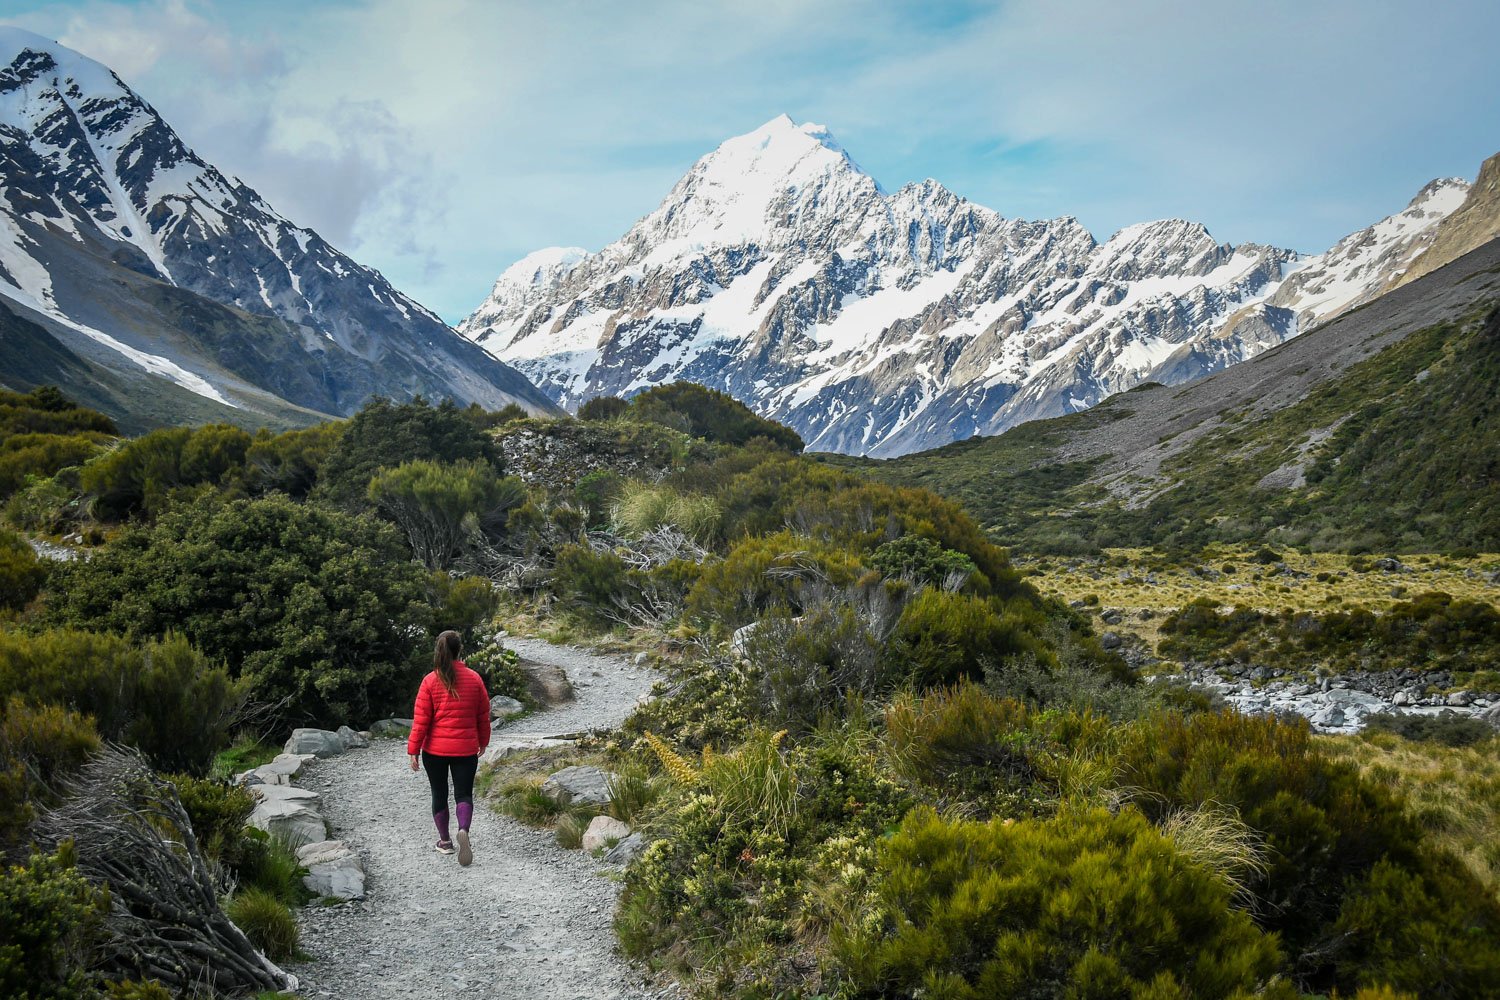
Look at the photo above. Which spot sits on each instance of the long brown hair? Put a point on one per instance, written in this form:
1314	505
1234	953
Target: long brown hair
449	644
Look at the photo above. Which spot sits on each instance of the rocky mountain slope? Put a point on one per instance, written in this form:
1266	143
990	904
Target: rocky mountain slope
1473	224
882	323
1379	430
138	257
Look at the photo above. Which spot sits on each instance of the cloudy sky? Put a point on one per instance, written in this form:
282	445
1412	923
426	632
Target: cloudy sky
439	140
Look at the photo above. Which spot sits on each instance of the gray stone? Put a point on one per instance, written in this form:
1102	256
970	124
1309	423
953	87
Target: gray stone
294	819
1111	640
1401	698
332	870
641	659
602	830
502	707
1331	717
626	850
1492	716
546	683
1112	616
390	728
351	738
581	785
1461	699
319	742
280	771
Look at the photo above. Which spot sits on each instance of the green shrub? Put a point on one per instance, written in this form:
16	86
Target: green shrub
436	504
501	669
1326	832
596	492
765	571
319	611
141	474
1086	904
21	572
217	811
464	604
942	637
384	434
39	746
587	581
45	410
163	697
921	560
603	408
708	414
290	462
28	457
49	922
266	921
1448	728
269	864
814	666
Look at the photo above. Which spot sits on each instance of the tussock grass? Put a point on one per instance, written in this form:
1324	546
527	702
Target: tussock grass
1216	839
643	507
266	921
1455	791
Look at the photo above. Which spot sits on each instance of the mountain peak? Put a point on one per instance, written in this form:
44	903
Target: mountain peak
93	79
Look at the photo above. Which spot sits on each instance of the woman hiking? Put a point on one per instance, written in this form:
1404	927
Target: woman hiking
450	729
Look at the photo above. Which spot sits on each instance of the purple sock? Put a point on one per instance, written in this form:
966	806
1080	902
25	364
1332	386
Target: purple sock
441	819
465	814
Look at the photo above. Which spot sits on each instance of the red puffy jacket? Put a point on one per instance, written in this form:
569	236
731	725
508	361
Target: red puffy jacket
451	725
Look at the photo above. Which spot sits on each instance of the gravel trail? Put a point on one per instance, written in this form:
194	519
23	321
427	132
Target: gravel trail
526	920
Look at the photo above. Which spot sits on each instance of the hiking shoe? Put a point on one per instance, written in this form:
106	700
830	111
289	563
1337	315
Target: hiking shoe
465	853
443	847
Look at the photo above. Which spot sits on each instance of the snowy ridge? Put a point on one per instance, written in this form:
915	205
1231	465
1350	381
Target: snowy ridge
881	323
92	178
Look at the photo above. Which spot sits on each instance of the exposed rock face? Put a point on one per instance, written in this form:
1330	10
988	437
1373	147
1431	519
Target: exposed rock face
136	254
881	323
1472	225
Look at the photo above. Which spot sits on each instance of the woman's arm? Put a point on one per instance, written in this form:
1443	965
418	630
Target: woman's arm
421	719
482	715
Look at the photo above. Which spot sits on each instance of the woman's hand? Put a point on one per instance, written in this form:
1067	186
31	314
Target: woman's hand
413	761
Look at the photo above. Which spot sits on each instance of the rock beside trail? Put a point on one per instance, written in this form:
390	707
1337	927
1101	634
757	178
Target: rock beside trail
280	771
580	785
502	707
602	830
391	728
289	813
546	682
332	870
351	739
626	850
319	742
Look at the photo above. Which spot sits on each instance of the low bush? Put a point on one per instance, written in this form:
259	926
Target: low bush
1086	904
921	560
163	697
814	666
501	669
766	571
142	474
943	638
642	508
49	925
39	746
217	811
436	504
21	572
1448	727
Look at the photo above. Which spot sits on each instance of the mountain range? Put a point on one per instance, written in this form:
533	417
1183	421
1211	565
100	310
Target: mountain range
881	323
146	282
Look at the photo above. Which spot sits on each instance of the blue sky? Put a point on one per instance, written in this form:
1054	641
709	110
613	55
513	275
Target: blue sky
441	140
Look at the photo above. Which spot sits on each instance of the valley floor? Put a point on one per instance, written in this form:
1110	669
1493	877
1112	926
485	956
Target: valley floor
526	920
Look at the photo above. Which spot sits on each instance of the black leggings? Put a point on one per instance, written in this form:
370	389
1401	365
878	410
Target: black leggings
463	769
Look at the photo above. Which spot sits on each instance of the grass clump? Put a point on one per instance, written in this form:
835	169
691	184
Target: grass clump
266	921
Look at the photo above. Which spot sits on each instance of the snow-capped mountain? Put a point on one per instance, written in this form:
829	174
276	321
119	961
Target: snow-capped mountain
139	256
882	323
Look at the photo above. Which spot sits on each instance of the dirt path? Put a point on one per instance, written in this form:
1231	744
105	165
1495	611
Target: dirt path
526	920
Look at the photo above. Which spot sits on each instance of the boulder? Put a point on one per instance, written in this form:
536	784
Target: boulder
1331	717
581	785
319	742
1492	716
546	683
332	870
502	707
1111	640
641	660
295	820
602	830
626	850
280	771
351	738
391	728
1461	699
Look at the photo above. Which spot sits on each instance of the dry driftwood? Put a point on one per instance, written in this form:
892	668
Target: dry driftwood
133	835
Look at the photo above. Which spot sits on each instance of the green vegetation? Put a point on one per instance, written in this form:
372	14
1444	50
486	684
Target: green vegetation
1398	454
697	412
